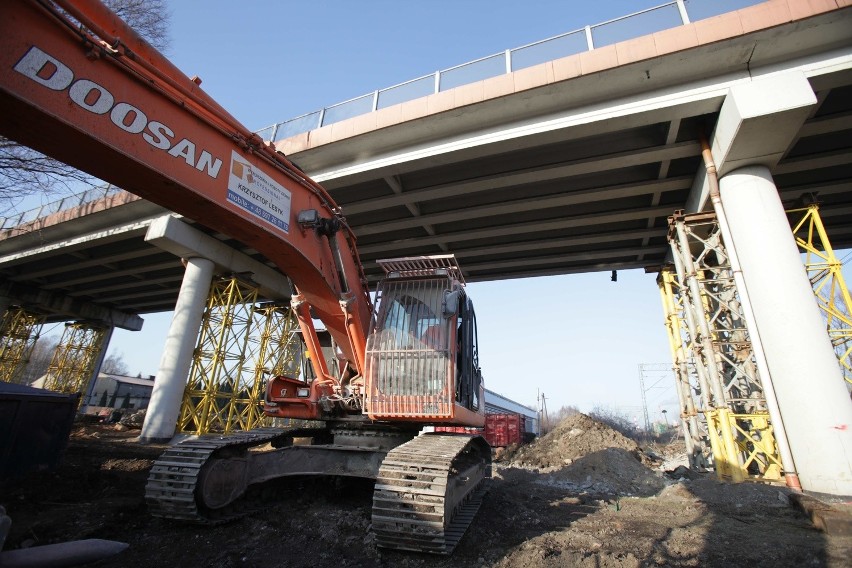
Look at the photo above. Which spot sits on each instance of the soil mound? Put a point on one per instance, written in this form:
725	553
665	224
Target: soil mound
528	518
583	454
576	436
611	471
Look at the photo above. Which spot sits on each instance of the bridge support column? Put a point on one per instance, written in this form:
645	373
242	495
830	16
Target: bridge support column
164	408
96	369
813	401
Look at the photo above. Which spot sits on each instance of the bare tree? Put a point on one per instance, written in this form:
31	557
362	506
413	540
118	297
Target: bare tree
25	172
40	358
114	364
617	420
150	19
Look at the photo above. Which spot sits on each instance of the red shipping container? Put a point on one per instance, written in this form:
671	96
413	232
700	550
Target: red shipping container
503	430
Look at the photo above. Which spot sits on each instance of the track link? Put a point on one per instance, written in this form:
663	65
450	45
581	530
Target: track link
172	488
428	492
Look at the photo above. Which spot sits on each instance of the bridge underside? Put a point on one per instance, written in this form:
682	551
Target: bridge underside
593	203
580	174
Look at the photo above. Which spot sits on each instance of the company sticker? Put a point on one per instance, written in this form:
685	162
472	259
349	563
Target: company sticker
252	190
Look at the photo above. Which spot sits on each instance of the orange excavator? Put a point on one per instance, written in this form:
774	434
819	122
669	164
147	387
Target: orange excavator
80	85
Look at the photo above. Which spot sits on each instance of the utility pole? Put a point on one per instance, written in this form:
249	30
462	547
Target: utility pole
538	410
644	398
659	373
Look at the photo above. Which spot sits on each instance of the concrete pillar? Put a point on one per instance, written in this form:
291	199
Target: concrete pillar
164	408
96	370
815	406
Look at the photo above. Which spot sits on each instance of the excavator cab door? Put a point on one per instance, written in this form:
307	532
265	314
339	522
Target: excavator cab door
468	372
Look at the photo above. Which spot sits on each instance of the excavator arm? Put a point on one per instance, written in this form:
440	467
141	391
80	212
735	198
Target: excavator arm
79	85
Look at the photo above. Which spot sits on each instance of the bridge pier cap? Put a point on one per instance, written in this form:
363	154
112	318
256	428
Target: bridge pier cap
758	122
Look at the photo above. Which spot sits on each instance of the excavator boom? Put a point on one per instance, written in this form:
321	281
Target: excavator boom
111	105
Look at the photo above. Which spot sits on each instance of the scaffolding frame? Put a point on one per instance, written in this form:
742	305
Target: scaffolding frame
73	363
825	271
711	347
239	345
274	348
694	423
19	330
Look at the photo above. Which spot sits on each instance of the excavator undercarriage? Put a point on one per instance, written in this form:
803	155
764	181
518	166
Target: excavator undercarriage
428	486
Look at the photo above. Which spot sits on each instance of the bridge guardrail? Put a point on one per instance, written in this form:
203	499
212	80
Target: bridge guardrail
69	202
654	19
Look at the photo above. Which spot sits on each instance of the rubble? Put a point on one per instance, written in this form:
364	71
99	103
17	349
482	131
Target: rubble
133	420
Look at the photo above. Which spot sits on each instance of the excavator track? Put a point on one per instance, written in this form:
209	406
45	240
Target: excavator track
174	482
428	492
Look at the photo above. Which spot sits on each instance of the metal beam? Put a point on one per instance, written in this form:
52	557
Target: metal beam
81	265
530	228
597	194
565	258
71	308
596	164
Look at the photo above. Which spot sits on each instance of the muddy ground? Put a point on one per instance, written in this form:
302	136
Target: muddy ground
583	496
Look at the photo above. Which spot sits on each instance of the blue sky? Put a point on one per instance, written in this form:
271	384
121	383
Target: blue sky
268	61
578	339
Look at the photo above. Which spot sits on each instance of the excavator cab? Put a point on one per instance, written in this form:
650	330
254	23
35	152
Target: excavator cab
422	362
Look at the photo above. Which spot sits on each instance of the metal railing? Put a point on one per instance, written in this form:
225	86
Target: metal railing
76	200
665	16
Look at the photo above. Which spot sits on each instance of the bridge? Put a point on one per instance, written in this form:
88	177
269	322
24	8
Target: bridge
572	164
575	164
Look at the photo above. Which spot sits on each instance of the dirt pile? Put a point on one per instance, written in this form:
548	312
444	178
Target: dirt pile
133	420
584	455
576	436
611	471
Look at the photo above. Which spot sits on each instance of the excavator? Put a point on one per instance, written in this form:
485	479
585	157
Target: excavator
80	85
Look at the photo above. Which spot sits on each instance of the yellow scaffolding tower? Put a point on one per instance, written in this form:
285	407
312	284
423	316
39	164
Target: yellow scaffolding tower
274	344
240	344
19	331
73	363
694	423
826	275
711	345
